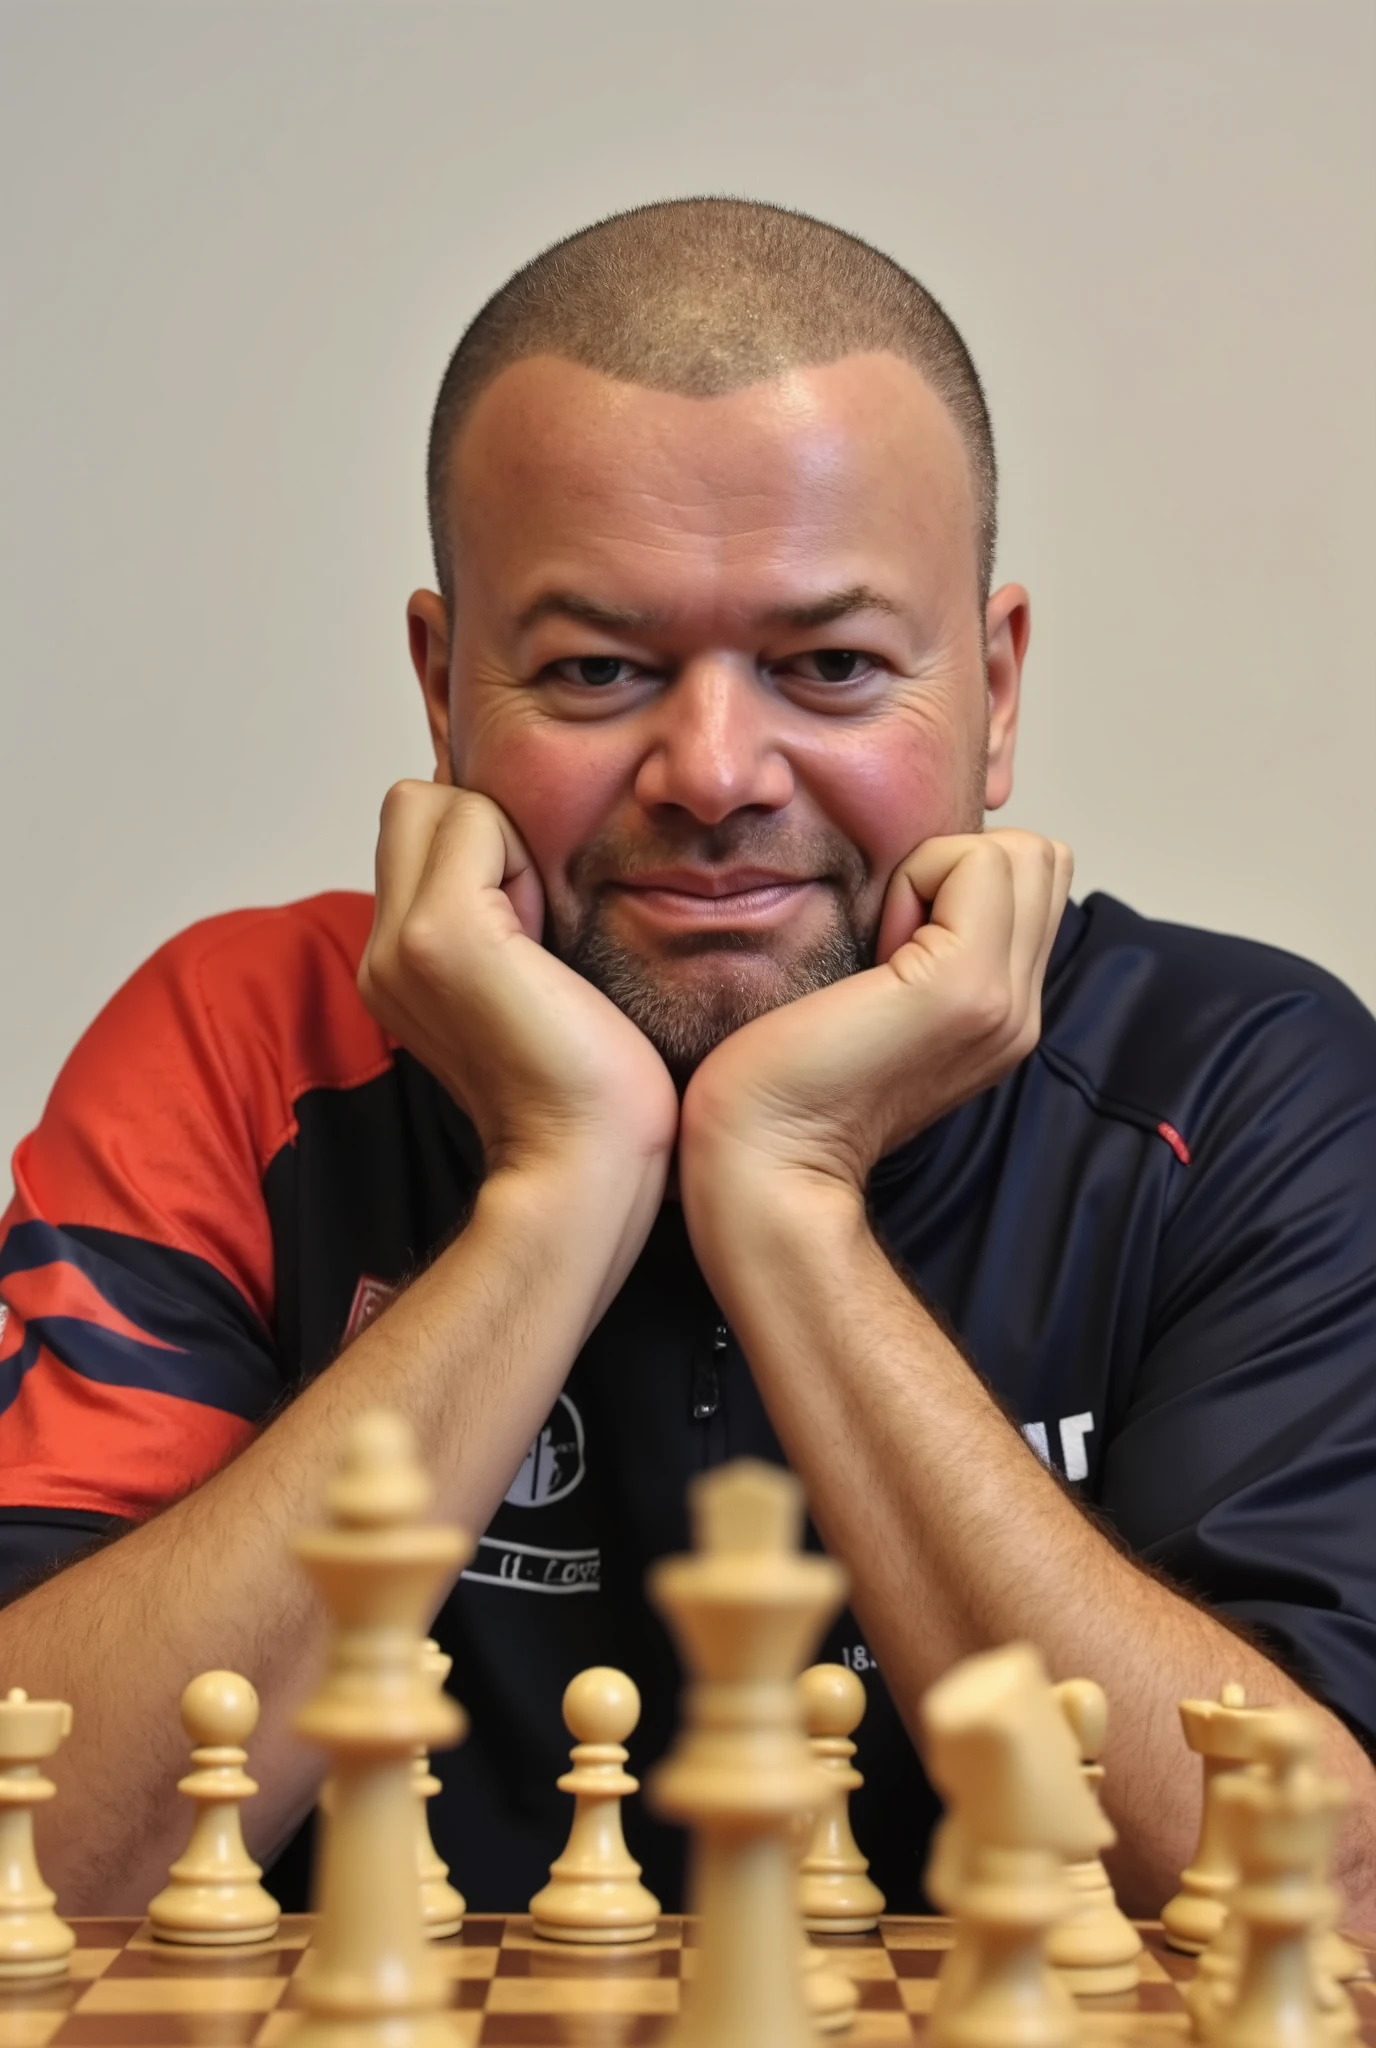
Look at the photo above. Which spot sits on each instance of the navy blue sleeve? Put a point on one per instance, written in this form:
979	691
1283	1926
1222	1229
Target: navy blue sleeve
34	1545
1245	1463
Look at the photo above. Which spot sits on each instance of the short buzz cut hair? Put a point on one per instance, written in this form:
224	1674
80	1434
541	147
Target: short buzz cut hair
702	297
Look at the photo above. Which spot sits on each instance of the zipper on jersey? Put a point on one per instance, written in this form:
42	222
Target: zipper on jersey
707	1376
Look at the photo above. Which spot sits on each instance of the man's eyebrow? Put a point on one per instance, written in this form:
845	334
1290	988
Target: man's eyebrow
610	618
837	604
571	604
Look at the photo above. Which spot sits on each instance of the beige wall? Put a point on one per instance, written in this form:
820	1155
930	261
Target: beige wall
236	244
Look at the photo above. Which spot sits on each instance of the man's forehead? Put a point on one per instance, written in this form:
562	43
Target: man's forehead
548	426
710	511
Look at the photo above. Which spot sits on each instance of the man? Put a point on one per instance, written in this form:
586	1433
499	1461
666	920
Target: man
717	1085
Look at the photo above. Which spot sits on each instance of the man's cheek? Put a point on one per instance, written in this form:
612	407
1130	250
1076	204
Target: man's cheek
887	807
557	805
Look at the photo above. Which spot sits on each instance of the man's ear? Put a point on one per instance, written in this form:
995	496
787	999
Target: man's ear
1007	627
427	626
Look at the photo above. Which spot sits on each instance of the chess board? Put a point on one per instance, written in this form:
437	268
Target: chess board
127	1991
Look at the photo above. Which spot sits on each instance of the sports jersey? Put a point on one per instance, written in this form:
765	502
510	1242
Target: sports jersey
1155	1239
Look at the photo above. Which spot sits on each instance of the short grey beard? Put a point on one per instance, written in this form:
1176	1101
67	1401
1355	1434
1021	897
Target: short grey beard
685	1025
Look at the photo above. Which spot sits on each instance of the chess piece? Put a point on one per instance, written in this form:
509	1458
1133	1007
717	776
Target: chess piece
372	1981
831	1998
997	1746
441	1907
33	1941
1095	1948
213	1898
837	1895
745	1608
1343	1961
594	1892
1338	2019
1287	1749
1224	1734
1281	1822
1218	1965
1240	1729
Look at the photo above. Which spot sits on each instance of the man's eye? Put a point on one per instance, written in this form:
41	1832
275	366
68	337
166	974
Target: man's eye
832	665
594	671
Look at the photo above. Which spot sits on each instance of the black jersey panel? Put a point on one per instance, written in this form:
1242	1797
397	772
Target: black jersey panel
376	1180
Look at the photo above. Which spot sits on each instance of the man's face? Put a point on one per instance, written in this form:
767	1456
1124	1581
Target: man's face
720	662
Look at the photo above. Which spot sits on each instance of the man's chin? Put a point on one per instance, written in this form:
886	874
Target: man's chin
687	1001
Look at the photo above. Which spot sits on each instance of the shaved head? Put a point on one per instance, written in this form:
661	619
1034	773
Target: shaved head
705	296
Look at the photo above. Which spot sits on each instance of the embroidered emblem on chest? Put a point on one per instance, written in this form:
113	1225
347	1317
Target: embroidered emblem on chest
554	1464
371	1297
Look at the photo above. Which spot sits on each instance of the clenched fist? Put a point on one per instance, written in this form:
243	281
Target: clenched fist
819	1090
547	1069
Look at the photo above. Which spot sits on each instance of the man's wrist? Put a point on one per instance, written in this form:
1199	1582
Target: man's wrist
757	1221
572	1224
584	1186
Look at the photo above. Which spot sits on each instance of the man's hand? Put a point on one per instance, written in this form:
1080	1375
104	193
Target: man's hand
545	1066
822	1088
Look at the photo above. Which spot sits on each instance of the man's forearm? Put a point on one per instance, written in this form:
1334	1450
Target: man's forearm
474	1353
958	1539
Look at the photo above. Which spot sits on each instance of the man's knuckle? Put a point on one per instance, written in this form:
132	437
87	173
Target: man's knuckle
465	805
377	969
398	799
1000	856
984	1004
1028	1036
418	944
377	987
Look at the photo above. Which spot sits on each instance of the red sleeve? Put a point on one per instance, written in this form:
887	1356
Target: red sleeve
137	1277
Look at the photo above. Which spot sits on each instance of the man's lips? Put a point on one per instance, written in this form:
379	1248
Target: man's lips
712	881
723	896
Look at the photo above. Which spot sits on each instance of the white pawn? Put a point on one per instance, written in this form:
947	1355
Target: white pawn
838	1897
594	1892
1094	1947
441	1907
213	1897
33	1941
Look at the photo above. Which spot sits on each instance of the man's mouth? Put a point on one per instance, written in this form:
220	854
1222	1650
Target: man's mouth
717	898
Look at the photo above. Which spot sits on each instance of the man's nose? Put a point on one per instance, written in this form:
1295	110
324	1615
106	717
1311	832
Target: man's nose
714	746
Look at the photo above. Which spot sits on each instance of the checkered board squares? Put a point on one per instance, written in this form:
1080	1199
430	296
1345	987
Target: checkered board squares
512	1990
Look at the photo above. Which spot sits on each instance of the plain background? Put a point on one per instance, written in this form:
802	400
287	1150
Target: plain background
238	242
